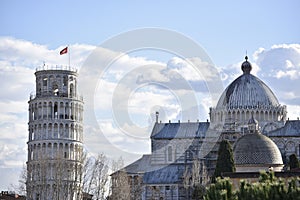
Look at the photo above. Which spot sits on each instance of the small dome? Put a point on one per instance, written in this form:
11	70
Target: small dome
247	91
256	149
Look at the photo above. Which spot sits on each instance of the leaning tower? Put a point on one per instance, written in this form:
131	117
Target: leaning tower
54	166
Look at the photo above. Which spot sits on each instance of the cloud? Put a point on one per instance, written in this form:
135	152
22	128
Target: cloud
281	61
280	70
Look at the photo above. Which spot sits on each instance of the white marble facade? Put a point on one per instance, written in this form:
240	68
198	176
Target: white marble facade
55	137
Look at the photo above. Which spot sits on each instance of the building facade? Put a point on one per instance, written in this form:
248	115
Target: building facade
167	173
55	147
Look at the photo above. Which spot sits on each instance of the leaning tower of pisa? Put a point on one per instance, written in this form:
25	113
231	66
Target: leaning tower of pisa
54	166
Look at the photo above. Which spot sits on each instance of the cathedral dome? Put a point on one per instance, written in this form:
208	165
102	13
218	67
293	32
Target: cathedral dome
247	91
256	148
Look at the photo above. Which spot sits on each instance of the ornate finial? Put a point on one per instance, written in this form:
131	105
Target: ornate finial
246	66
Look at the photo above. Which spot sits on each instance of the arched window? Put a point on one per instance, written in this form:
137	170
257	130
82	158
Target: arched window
45	80
170	153
55	110
55	89
65	81
71	90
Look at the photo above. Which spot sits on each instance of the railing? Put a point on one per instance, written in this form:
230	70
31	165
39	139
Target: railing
56	67
33	95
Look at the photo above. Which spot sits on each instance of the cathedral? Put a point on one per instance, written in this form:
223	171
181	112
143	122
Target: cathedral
247	111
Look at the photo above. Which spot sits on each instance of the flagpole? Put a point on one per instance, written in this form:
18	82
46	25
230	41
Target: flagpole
69	57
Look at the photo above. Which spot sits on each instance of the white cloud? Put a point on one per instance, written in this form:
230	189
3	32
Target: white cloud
281	61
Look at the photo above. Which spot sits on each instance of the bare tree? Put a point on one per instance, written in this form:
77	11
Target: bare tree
95	176
120	187
20	188
192	178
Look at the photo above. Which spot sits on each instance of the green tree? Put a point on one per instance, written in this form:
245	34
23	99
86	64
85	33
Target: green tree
267	188
225	162
294	162
222	189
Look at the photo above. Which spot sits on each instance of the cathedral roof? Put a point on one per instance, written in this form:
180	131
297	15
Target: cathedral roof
291	128
256	148
169	174
179	130
139	166
247	91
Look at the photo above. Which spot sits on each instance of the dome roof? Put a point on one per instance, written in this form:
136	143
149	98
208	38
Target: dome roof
247	91
256	149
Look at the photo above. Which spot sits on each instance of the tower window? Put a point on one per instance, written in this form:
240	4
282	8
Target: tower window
71	90
45	80
55	90
65	81
55	111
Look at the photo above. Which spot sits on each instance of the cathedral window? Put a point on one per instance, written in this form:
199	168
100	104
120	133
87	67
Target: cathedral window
169	154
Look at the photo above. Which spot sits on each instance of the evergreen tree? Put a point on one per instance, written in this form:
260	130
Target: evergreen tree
220	190
225	162
267	188
294	162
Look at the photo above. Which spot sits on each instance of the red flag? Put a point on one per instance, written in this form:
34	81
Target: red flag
65	50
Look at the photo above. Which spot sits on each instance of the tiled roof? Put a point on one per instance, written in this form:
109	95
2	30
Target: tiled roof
140	165
256	148
291	128
179	130
170	174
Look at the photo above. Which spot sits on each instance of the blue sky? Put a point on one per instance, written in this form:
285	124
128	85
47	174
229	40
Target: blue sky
33	32
225	29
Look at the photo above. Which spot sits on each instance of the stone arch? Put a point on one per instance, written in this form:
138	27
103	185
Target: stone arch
71	90
61	110
72	132
44	110
66	151
61	130
72	151
76	132
40	133
290	147
67	131
55	131
55	110
65	81
55	89
262	117
49	148
50	110
67	110
45	130
39	112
